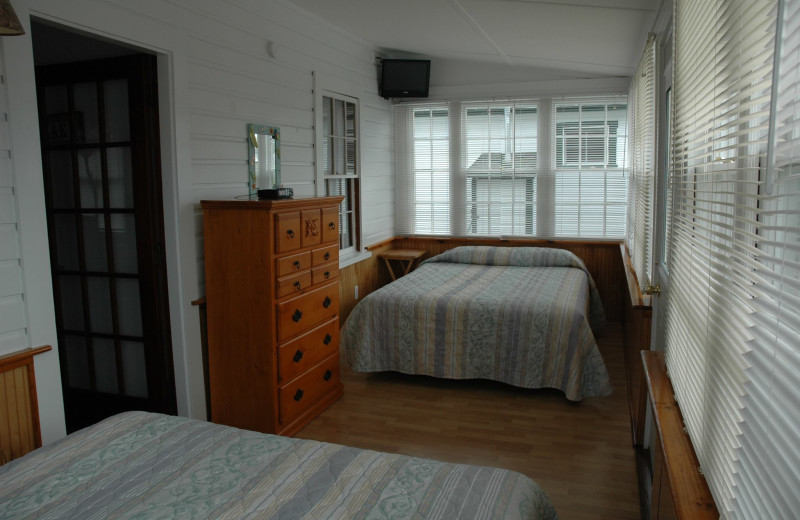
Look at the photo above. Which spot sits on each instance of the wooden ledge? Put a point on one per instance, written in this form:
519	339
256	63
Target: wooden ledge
691	496
21	357
638	299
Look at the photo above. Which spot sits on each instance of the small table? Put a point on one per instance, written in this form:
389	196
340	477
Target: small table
406	257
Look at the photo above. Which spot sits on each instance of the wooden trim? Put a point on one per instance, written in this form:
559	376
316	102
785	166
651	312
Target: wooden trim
383	243
634	290
263	204
529	241
21	357
691	496
637	319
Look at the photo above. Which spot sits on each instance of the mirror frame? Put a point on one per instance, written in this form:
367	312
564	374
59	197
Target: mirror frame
253	131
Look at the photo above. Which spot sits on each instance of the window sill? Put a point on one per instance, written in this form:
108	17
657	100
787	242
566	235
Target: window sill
353	258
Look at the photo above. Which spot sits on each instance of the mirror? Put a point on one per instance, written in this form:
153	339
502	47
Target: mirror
264	162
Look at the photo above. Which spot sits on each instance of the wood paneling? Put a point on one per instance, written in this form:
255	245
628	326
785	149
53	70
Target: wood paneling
368	275
601	258
682	491
580	453
637	319
19	407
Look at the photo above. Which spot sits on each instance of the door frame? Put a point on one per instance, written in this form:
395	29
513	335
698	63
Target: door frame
172	54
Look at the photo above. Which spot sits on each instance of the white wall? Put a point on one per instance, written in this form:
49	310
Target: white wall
215	77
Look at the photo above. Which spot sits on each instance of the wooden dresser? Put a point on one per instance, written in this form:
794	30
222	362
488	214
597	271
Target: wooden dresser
272	297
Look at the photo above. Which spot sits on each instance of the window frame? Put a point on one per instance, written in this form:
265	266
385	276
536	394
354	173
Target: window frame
331	88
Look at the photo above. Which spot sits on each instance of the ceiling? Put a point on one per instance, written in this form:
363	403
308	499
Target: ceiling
511	40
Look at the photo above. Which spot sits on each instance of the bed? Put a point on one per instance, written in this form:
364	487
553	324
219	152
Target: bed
145	465
525	316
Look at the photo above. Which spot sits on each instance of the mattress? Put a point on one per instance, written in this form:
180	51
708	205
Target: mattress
519	315
144	465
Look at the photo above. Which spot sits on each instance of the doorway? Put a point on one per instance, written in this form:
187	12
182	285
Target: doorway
101	163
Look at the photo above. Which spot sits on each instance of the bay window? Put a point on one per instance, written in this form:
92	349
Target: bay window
481	168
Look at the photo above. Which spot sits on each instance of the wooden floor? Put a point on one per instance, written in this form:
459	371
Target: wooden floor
579	453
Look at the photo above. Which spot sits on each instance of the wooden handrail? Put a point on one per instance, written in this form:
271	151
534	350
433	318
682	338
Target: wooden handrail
691	496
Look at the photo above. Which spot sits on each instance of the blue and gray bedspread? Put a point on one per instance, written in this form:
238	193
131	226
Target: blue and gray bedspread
519	315
151	466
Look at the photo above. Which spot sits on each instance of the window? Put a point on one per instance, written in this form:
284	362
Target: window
431	163
642	165
590	139
500	166
734	299
340	169
475	168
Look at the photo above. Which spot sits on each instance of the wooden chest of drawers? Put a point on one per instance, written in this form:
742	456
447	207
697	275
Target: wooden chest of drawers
272	301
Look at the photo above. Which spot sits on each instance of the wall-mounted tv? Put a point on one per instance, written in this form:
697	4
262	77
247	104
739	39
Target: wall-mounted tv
404	78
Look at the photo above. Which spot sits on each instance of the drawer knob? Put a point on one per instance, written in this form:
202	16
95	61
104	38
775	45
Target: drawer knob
297	356
328	375
327	255
296	264
331	225
298	395
328	339
297	285
327	302
290	233
297	315
327	274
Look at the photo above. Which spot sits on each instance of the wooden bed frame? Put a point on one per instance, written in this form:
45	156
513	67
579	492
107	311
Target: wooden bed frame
19	408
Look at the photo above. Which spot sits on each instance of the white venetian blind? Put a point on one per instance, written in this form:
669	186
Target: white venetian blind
422	163
768	476
642	103
477	168
499	166
722	273
589	141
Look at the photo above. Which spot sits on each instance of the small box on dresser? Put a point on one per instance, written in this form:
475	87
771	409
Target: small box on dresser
272	300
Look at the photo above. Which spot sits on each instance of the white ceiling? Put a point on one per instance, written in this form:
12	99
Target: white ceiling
512	40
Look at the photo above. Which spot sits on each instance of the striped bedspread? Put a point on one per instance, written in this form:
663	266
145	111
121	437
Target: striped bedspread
519	315
150	466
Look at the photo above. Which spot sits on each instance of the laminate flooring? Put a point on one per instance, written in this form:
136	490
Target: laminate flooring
579	453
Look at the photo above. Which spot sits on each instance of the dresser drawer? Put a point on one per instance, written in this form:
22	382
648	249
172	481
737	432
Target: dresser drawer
294	283
330	224
303	312
324	273
299	355
324	255
287	231
303	392
293	264
312	228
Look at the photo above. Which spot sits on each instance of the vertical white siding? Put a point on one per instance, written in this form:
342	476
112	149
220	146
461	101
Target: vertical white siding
215	77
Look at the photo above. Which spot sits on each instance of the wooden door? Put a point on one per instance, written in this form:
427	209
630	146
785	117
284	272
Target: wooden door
101	161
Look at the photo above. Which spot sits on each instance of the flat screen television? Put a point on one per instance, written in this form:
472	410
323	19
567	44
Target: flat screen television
404	78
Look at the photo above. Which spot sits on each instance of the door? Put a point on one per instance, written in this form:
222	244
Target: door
663	202
102	178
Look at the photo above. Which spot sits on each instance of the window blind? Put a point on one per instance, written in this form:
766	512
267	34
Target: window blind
768	475
499	164
732	304
483	168
589	140
642	102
